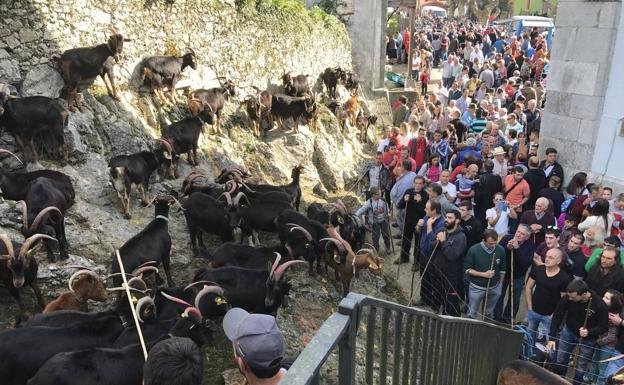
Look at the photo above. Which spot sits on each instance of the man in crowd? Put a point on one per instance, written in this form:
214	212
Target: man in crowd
485	266
448	189
519	250
489	186
435	195
174	361
538	219
378	215
550	166
427	227
576	258
399	115
536	179
516	193
413	202
404	180
378	175
584	317
469	224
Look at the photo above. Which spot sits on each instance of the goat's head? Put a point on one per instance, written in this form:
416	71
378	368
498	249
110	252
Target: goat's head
189	60
276	288
115	44
228	85
162	201
87	284
303	244
3	151
144	304
4	97
211	301
287	79
266	100
165	155
19	263
27	230
338	249
368	259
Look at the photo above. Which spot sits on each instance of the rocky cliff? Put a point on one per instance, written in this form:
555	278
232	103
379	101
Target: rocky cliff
249	42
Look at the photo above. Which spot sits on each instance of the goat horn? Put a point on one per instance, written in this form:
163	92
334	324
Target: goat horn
177	202
232	187
282	268
344	208
238	196
78	273
30	241
192	51
140	304
41	215
275	263
166	144
175	299
24	214
193	310
3	151
337	242
140	281
152	201
228	197
116	274
123	289
305	232
8	244
247	187
339	208
366	251
198	282
207	290
137	272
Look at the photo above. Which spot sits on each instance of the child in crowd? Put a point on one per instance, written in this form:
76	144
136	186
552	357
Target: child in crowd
465	184
569	228
377	211
424	79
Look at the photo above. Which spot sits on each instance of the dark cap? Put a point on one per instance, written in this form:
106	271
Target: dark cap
258	339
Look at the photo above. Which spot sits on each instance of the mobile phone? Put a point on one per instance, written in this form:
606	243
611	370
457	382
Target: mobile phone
501	206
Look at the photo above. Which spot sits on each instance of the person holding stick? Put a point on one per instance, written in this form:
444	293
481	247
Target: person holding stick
413	202
584	316
428	227
485	266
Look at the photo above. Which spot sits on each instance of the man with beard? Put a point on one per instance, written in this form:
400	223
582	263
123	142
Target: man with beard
428	227
448	247
469	224
521	248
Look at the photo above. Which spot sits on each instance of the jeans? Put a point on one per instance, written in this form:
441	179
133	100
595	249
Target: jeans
567	343
538	322
614	366
505	315
597	369
381	227
448	82
400	218
477	295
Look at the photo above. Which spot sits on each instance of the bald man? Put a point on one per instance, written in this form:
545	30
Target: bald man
538	219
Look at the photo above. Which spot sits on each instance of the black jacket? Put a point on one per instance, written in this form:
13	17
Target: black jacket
489	185
537	180
449	254
415	210
573	313
557	170
601	283
473	230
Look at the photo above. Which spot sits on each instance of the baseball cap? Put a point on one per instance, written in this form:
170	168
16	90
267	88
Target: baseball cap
260	342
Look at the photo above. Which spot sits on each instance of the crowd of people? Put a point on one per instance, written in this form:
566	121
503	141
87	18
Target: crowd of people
467	183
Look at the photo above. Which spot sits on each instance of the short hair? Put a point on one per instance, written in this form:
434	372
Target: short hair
488	165
467	204
490	234
455	213
436	188
374	190
620	197
608	189
403	99
552	230
518	169
550	150
613	240
407	165
579	236
513	134
420	178
577	286
435	206
174	361
554	181
533	161
392	142
379	153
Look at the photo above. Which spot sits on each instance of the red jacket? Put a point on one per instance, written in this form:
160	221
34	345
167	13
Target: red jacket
417	149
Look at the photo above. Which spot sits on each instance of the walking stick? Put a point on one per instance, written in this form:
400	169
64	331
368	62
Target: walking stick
577	350
418	237
425	269
511	283
402	236
487	288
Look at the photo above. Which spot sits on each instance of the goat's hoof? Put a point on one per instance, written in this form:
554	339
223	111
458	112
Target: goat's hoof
128	216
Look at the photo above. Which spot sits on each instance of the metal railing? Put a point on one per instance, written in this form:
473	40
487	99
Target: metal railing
381	342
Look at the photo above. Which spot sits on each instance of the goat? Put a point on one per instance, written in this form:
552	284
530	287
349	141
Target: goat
255	111
152	244
18	267
351	107
301	236
293	188
362	123
231	173
206	214
261	216
79	65
43	211
161	72
345	262
331	77
282	107
31	116
233	254
341	115
295	85
520	372
207	297
351	82
214	99
126	170
318	213
83	285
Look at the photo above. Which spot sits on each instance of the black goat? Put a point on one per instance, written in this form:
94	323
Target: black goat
135	169
351	82
257	291
43	212
213	99
208	298
295	85
161	72
293	188
234	173
234	254
255	111
15	185
318	213
302	237
331	77
152	244
261	216
34	116
83	65
122	366
283	107
196	182
351	228
206	214
19	268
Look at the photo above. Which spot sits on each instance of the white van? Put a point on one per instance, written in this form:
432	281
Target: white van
430	10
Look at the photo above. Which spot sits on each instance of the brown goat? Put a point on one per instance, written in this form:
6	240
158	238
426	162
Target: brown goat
83	285
351	107
346	263
519	372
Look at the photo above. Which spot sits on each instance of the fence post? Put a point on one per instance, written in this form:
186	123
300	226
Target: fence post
349	306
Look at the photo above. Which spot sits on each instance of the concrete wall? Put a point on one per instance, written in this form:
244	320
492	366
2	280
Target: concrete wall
585	90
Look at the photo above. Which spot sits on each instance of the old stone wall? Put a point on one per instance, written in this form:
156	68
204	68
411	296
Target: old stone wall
252	43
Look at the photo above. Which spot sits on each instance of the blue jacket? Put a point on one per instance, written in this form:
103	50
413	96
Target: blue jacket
401	186
427	239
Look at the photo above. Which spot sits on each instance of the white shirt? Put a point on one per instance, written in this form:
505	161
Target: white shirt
502	226
450	189
384	142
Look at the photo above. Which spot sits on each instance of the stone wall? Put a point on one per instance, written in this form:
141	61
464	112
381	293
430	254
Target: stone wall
580	75
247	43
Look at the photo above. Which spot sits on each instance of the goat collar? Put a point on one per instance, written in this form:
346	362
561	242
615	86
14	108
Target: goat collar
164	218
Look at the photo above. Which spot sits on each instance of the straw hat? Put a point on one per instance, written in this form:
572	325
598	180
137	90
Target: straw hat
499	151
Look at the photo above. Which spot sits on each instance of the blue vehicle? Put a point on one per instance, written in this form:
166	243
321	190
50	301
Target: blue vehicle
518	24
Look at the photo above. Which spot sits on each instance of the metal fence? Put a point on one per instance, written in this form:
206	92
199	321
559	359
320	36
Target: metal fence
400	345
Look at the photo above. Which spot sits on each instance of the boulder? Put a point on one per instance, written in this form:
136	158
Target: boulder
9	71
43	80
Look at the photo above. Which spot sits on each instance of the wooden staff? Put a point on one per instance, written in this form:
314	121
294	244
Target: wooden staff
487	288
402	236
424	270
511	283
577	349
134	314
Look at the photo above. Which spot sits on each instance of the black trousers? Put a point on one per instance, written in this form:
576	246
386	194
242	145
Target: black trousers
453	288
409	232
426	284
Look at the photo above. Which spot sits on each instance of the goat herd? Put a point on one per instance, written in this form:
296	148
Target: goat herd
66	344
